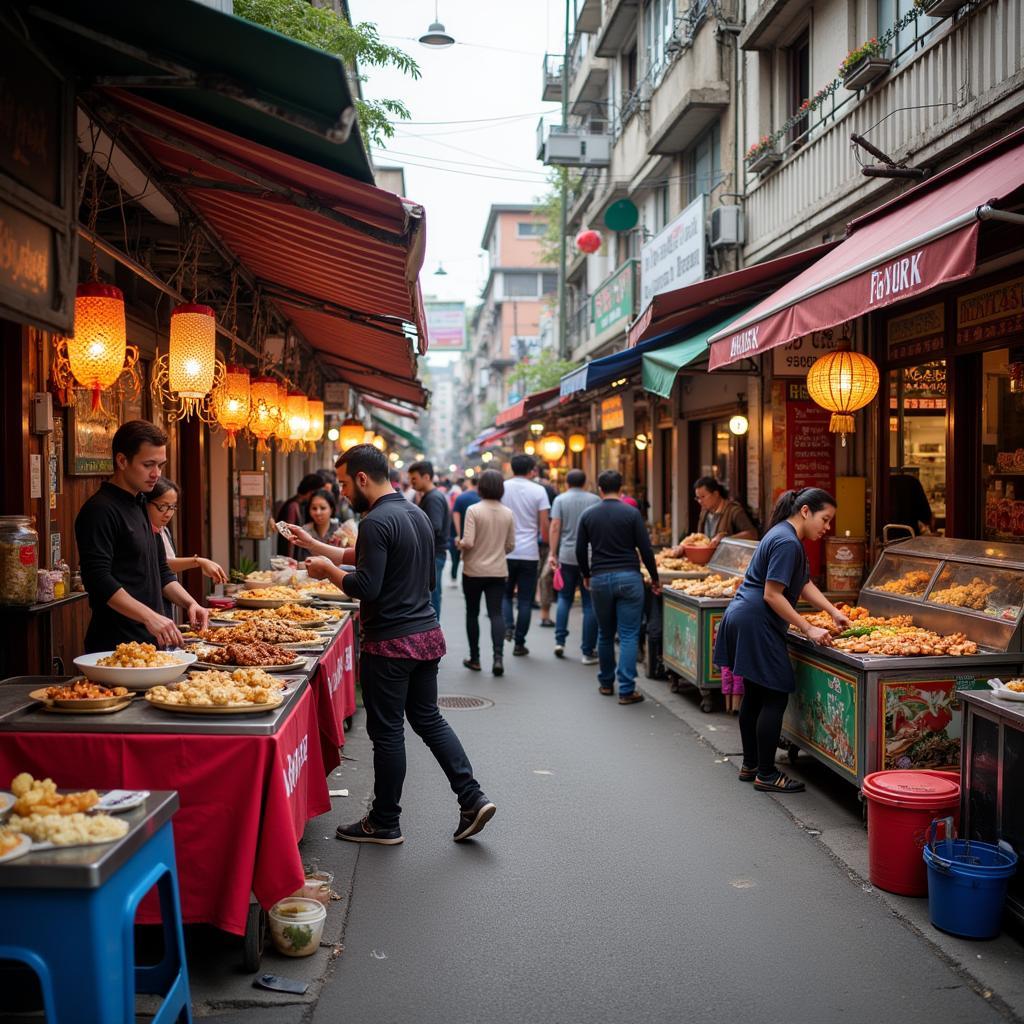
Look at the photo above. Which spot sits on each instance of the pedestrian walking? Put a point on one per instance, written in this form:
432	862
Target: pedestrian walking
468	496
434	502
401	646
529	504
545	579
489	535
752	635
566	511
609	536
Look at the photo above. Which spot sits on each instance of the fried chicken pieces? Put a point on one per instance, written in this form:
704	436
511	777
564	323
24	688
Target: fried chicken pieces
35	796
84	690
220	690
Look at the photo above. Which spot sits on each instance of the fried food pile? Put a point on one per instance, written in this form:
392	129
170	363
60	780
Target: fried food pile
696	540
40	796
135	655
217	690
861	618
319	587
84	690
713	586
1017	685
271	594
906	641
665	561
965	595
270	631
8	841
69	830
251	652
287	613
910	584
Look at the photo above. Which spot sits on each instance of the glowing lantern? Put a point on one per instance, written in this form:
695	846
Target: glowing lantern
279	411
263	413
577	443
588	241
842	382
739	425
99	345
350	434
552	447
379	443
298	416
530	448
232	402
368	436
192	351
486	456
315	430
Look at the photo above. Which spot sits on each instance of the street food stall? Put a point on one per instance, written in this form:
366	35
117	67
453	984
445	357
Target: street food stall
936	617
670	569
692	610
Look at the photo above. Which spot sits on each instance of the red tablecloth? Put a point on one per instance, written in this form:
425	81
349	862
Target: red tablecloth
334	690
245	801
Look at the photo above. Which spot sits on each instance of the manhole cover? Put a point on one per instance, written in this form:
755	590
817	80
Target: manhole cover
460	702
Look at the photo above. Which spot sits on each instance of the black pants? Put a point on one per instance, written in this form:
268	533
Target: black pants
492	588
522	585
456	553
761	726
395	689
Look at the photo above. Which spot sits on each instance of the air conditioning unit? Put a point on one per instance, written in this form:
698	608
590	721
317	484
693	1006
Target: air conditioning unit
727	228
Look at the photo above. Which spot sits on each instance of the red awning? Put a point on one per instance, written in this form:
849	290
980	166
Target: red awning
397	410
923	239
525	406
340	258
674	310
492	439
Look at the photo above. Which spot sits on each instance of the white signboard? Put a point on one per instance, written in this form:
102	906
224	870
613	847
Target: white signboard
674	258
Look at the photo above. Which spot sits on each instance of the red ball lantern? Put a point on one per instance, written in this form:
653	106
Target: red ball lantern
588	241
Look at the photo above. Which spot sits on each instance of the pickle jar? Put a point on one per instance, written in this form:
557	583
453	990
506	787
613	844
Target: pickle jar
19	560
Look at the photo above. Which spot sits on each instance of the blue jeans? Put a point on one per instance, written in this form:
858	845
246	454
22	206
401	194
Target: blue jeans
522	576
435	594
619	603
571	579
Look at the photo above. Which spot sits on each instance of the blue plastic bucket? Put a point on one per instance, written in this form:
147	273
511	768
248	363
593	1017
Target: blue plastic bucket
967	883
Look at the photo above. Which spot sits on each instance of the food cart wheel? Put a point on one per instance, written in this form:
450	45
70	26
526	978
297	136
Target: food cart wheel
675	684
792	752
706	701
255	938
347	724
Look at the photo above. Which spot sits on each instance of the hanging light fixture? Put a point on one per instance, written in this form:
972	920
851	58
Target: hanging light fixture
315	430
263	417
379	443
232	402
486	456
537	428
577	443
842	382
368	436
333	434
350	434
551	447
530	448
435	36
641	442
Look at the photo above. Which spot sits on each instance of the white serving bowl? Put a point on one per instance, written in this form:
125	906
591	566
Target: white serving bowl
133	678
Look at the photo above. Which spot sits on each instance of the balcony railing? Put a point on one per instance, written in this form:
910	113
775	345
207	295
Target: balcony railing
554	78
579	325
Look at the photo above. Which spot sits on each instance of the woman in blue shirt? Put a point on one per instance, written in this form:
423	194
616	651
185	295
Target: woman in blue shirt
752	636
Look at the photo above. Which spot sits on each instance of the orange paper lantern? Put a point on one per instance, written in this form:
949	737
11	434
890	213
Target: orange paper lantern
232	402
192	357
98	347
263	414
842	382
315	430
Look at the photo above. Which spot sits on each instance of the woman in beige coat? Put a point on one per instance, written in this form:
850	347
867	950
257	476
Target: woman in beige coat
488	537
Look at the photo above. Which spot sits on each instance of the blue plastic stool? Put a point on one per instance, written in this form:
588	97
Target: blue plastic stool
81	942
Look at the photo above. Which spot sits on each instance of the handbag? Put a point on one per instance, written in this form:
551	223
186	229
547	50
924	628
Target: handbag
556	580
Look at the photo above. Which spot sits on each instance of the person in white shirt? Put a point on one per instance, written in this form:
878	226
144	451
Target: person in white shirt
530	508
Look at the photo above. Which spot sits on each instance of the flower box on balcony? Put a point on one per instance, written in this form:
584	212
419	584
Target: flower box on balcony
940	8
866	71
761	163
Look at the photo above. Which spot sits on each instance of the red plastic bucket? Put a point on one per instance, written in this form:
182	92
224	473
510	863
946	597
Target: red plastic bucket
901	806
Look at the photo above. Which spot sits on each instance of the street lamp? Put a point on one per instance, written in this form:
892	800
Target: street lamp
436	36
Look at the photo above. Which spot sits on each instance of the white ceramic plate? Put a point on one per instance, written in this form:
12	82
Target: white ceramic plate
1004	694
297	664
133	678
24	846
118	800
7	801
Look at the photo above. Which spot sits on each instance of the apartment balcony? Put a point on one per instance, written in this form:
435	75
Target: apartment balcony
578	328
579	200
588	16
618	22
588	79
554	71
570	146
769	23
819	183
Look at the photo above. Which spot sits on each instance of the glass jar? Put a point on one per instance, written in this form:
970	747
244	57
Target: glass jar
19	560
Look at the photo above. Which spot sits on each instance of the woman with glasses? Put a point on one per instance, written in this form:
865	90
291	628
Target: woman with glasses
162	504
324	525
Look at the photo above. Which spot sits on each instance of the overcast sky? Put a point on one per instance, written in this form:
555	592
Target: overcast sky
457	159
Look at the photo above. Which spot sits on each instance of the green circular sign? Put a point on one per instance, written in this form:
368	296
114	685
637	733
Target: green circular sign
622	215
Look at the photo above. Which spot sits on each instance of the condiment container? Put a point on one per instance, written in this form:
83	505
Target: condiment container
19	560
317	886
296	925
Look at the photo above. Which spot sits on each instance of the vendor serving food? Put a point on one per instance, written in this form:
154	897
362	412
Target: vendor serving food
720	515
123	563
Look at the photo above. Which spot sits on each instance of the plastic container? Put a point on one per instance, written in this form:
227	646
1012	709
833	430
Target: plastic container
844	563
967	883
19	560
901	807
317	886
296	925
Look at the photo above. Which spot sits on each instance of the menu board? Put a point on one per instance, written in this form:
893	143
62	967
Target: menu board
810	453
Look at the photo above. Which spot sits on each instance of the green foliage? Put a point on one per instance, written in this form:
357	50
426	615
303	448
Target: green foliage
297	936
327	31
549	206
245	566
544	372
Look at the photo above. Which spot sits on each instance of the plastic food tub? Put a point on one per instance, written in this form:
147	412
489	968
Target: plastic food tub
317	886
296	925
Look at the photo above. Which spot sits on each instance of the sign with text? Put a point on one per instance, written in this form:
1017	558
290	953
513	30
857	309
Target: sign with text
917	333
446	326
336	394
614	302
674	258
797	357
991	314
613	416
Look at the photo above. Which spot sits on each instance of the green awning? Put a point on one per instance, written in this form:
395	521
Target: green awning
217	68
661	366
405	435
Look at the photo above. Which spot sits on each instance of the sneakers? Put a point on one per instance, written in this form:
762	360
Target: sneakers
547	623
365	831
498	668
519	650
473	818
781	783
589	659
559	650
632	698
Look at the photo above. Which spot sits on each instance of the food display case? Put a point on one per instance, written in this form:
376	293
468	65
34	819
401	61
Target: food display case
654	612
690	624
860	712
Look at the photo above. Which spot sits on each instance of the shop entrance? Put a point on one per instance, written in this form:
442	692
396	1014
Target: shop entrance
716	451
1002	444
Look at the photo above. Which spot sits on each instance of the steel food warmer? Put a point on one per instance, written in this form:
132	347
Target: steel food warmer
859	713
690	624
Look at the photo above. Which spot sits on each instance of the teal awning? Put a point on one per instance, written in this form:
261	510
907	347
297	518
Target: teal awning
405	435
661	366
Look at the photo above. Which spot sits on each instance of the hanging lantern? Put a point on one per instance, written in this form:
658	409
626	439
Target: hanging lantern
537	428
263	410
98	347
232	402
298	416
350	434
552	447
486	456
315	430
379	443
530	448
842	382
368	436
588	241
184	378
738	425
577	443
641	442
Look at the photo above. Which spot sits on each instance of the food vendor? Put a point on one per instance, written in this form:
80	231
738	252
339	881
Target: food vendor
751	639
720	515
123	564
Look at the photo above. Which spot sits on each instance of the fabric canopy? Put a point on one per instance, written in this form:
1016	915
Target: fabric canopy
390	407
661	366
406	435
926	238
525	406
599	372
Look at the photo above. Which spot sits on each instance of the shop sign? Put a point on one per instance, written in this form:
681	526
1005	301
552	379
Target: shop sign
446	326
336	394
37	235
823	712
918	333
991	314
613	416
924	388
795	358
674	258
614	301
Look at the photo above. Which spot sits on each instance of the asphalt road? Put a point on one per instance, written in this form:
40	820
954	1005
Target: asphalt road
627	876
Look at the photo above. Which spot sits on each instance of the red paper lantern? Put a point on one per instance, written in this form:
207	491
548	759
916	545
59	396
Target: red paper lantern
588	241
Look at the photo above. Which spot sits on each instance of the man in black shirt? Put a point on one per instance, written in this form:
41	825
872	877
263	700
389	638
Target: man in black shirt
607	541
435	503
401	646
123	564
